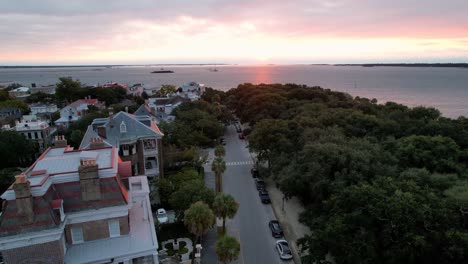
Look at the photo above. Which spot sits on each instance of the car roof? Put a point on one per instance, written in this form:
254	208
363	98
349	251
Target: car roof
161	210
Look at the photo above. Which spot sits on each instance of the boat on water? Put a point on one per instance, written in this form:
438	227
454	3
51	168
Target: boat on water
213	70
163	71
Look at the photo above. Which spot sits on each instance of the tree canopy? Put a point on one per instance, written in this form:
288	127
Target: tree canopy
199	218
227	249
381	183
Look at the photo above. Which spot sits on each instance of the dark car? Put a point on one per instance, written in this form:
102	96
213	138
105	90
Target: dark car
222	141
241	136
260	184
238	129
264	197
254	172
275	228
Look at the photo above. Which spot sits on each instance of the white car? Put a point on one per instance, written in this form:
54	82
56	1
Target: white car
162	216
283	249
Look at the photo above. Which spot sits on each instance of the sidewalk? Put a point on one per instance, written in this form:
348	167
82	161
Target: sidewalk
209	239
289	218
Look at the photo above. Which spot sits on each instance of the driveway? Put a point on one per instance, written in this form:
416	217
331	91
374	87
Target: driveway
250	225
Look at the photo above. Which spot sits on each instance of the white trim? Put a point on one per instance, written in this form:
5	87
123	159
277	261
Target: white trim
32	238
38	191
99	214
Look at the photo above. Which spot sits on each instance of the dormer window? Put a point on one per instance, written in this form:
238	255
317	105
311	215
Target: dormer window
123	127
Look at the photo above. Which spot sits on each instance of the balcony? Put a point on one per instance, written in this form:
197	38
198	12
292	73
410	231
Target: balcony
151	168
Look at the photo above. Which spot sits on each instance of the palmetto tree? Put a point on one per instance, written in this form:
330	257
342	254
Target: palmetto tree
224	206
219	151
227	249
199	218
218	167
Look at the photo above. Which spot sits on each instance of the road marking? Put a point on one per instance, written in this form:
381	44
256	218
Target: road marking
237	163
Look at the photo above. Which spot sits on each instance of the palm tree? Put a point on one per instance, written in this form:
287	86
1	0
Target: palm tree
199	218
224	206
218	167
219	151
227	249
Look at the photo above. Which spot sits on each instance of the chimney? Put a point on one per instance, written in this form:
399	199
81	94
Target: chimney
126	109
90	184
60	141
96	142
24	200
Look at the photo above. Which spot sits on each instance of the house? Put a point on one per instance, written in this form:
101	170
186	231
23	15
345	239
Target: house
74	111
164	106
192	90
39	108
136	89
137	138
78	206
146	110
37	130
43	111
47	89
10	112
20	93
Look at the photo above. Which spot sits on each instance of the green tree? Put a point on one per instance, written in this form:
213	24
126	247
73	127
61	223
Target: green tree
434	153
190	192
68	89
4	95
227	249
219	151
198	219
16	103
218	167
165	90
224	206
13	86
16	150
75	138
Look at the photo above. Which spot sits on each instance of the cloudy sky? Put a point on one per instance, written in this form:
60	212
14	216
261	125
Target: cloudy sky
232	31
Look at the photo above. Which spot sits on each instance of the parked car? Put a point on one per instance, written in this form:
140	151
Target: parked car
254	172
241	136
162	216
260	184
222	141
283	249
264	197
275	228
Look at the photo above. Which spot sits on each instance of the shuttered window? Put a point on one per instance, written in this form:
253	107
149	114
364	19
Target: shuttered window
114	228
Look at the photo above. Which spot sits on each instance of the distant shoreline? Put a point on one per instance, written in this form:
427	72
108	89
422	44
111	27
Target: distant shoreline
108	66
416	65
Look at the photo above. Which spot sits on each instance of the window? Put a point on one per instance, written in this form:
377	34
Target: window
123	127
35	135
125	150
114	228
77	234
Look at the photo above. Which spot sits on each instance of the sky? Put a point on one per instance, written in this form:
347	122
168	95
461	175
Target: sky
57	32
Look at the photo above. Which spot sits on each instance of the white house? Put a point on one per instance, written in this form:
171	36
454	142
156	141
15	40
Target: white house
75	111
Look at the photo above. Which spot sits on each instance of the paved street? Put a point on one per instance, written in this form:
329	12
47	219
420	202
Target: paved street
250	225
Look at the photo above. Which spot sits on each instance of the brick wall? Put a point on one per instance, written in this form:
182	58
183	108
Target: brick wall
97	229
46	253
